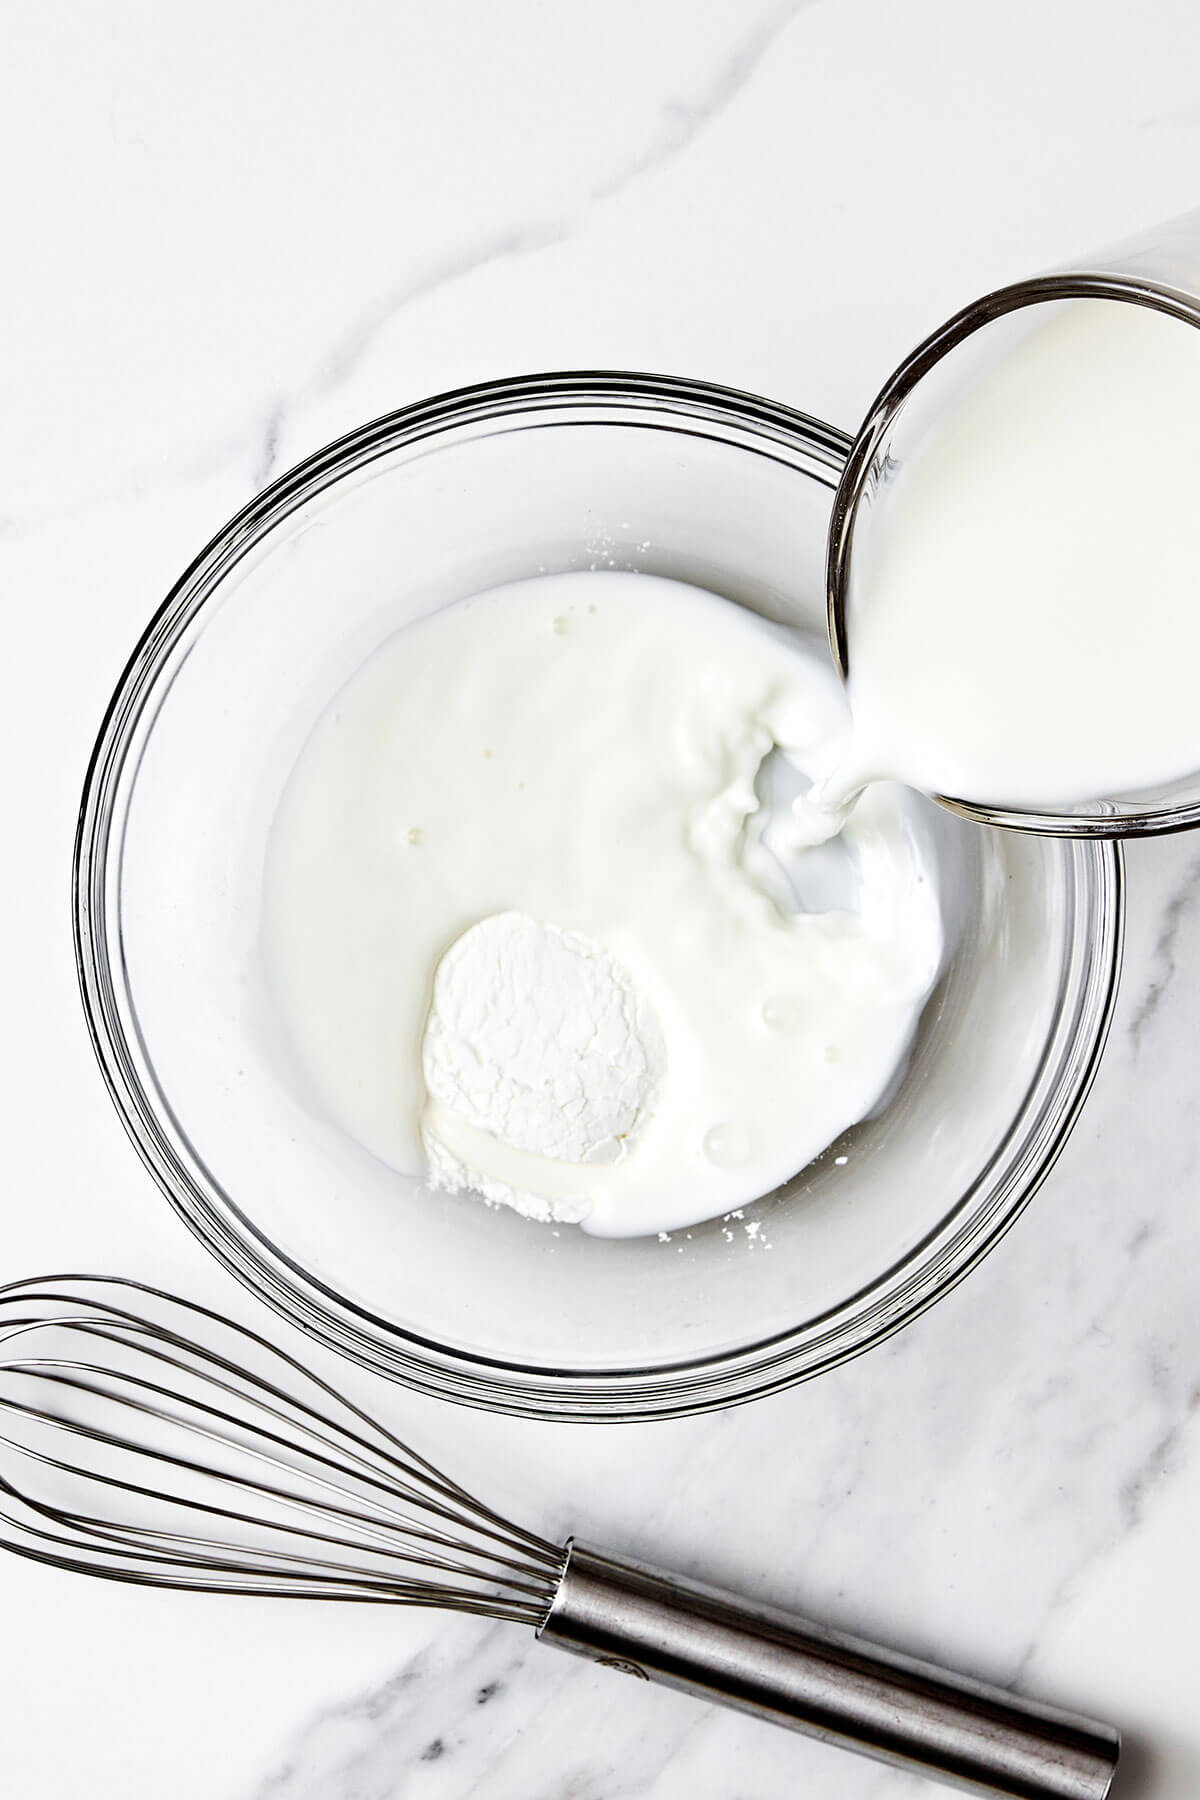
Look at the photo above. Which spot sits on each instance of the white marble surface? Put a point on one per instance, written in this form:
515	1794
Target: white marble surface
234	231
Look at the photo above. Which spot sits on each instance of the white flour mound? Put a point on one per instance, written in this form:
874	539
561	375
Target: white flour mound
538	1039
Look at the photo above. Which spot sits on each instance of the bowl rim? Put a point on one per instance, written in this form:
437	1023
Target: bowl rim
1089	978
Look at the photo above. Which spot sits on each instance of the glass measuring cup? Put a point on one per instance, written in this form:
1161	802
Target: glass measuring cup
1160	270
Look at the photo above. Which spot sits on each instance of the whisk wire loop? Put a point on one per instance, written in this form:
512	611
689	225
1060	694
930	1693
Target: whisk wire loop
300	1492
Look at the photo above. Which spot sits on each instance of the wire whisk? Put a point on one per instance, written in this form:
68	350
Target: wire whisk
234	1483
146	1439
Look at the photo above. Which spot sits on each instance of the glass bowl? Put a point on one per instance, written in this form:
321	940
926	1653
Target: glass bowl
478	1305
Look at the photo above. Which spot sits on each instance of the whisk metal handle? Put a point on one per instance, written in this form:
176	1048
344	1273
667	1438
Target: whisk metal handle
763	1661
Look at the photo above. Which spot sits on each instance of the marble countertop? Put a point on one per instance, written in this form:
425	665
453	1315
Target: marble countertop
234	232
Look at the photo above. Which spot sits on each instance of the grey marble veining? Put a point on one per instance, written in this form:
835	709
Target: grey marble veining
681	121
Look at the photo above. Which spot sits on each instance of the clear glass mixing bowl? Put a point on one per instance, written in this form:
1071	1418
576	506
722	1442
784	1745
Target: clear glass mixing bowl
405	515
